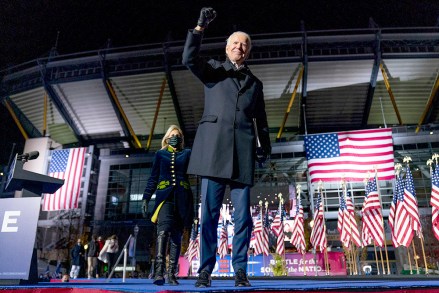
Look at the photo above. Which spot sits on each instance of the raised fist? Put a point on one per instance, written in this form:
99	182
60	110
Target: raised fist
207	14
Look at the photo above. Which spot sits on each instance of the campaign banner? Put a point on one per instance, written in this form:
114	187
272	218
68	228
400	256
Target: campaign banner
296	265
18	225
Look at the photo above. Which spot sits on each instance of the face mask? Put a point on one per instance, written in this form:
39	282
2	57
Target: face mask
175	141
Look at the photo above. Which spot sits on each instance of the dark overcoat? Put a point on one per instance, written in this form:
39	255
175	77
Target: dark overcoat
225	142
168	178
77	255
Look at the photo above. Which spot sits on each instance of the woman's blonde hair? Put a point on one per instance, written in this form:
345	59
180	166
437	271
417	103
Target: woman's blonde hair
165	139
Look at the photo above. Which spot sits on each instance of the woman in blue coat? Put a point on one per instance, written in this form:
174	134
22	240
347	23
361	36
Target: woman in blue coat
173	209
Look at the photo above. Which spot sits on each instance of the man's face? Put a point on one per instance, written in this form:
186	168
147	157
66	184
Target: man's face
238	48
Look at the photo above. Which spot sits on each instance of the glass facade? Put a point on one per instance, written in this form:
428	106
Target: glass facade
126	184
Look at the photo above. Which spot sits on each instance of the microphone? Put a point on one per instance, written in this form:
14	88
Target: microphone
28	156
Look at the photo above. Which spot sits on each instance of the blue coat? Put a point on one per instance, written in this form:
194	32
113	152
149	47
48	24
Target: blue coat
225	142
169	177
77	254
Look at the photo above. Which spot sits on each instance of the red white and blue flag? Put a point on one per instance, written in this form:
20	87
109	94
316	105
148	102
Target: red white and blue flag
318	233
261	245
66	164
373	228
435	201
278	229
407	215
398	190
349	228
193	250
349	155
298	235
223	247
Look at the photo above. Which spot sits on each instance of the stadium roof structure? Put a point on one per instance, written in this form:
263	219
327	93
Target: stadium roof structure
314	82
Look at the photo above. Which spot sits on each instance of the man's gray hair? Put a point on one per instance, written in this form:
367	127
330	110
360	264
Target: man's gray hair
243	33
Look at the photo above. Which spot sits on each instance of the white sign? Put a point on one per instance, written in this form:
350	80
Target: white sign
18	226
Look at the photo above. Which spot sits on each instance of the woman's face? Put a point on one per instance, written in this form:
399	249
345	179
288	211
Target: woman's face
174	133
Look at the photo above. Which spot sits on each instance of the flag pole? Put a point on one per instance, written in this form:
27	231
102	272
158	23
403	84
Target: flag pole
314	250
407	160
410	261
376	258
382	260
423	254
298	201
261	203
354	247
415	256
281	202
325	256
349	244
354	256
429	163
325	251
382	222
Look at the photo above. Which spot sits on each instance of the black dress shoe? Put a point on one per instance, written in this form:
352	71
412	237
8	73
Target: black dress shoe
203	280
241	279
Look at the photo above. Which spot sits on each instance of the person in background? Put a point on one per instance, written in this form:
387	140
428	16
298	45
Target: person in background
65	278
232	133
99	264
77	257
173	209
92	256
111	248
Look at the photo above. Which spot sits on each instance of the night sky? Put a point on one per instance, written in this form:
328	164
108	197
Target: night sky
29	28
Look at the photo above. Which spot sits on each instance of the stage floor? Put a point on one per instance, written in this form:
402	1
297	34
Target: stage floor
427	284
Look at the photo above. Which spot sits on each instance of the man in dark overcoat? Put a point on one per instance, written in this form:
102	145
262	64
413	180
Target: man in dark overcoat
77	259
226	143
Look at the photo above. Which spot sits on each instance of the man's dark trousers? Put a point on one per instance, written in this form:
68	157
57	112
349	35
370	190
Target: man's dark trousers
212	194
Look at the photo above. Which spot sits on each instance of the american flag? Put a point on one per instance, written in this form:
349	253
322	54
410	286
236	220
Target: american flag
372	215
298	235
349	231
318	233
350	154
411	201
396	194
278	229
261	243
277	225
193	250
366	238
223	247
341	210
65	164
267	230
407	215
435	201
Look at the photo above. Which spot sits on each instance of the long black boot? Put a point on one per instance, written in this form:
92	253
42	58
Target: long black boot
160	259
174	254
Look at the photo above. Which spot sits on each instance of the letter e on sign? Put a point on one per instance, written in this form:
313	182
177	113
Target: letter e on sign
10	218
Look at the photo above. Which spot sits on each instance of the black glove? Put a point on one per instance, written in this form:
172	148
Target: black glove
261	155
207	14
145	209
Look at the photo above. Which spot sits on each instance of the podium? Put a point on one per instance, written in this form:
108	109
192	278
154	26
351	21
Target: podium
32	184
19	261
